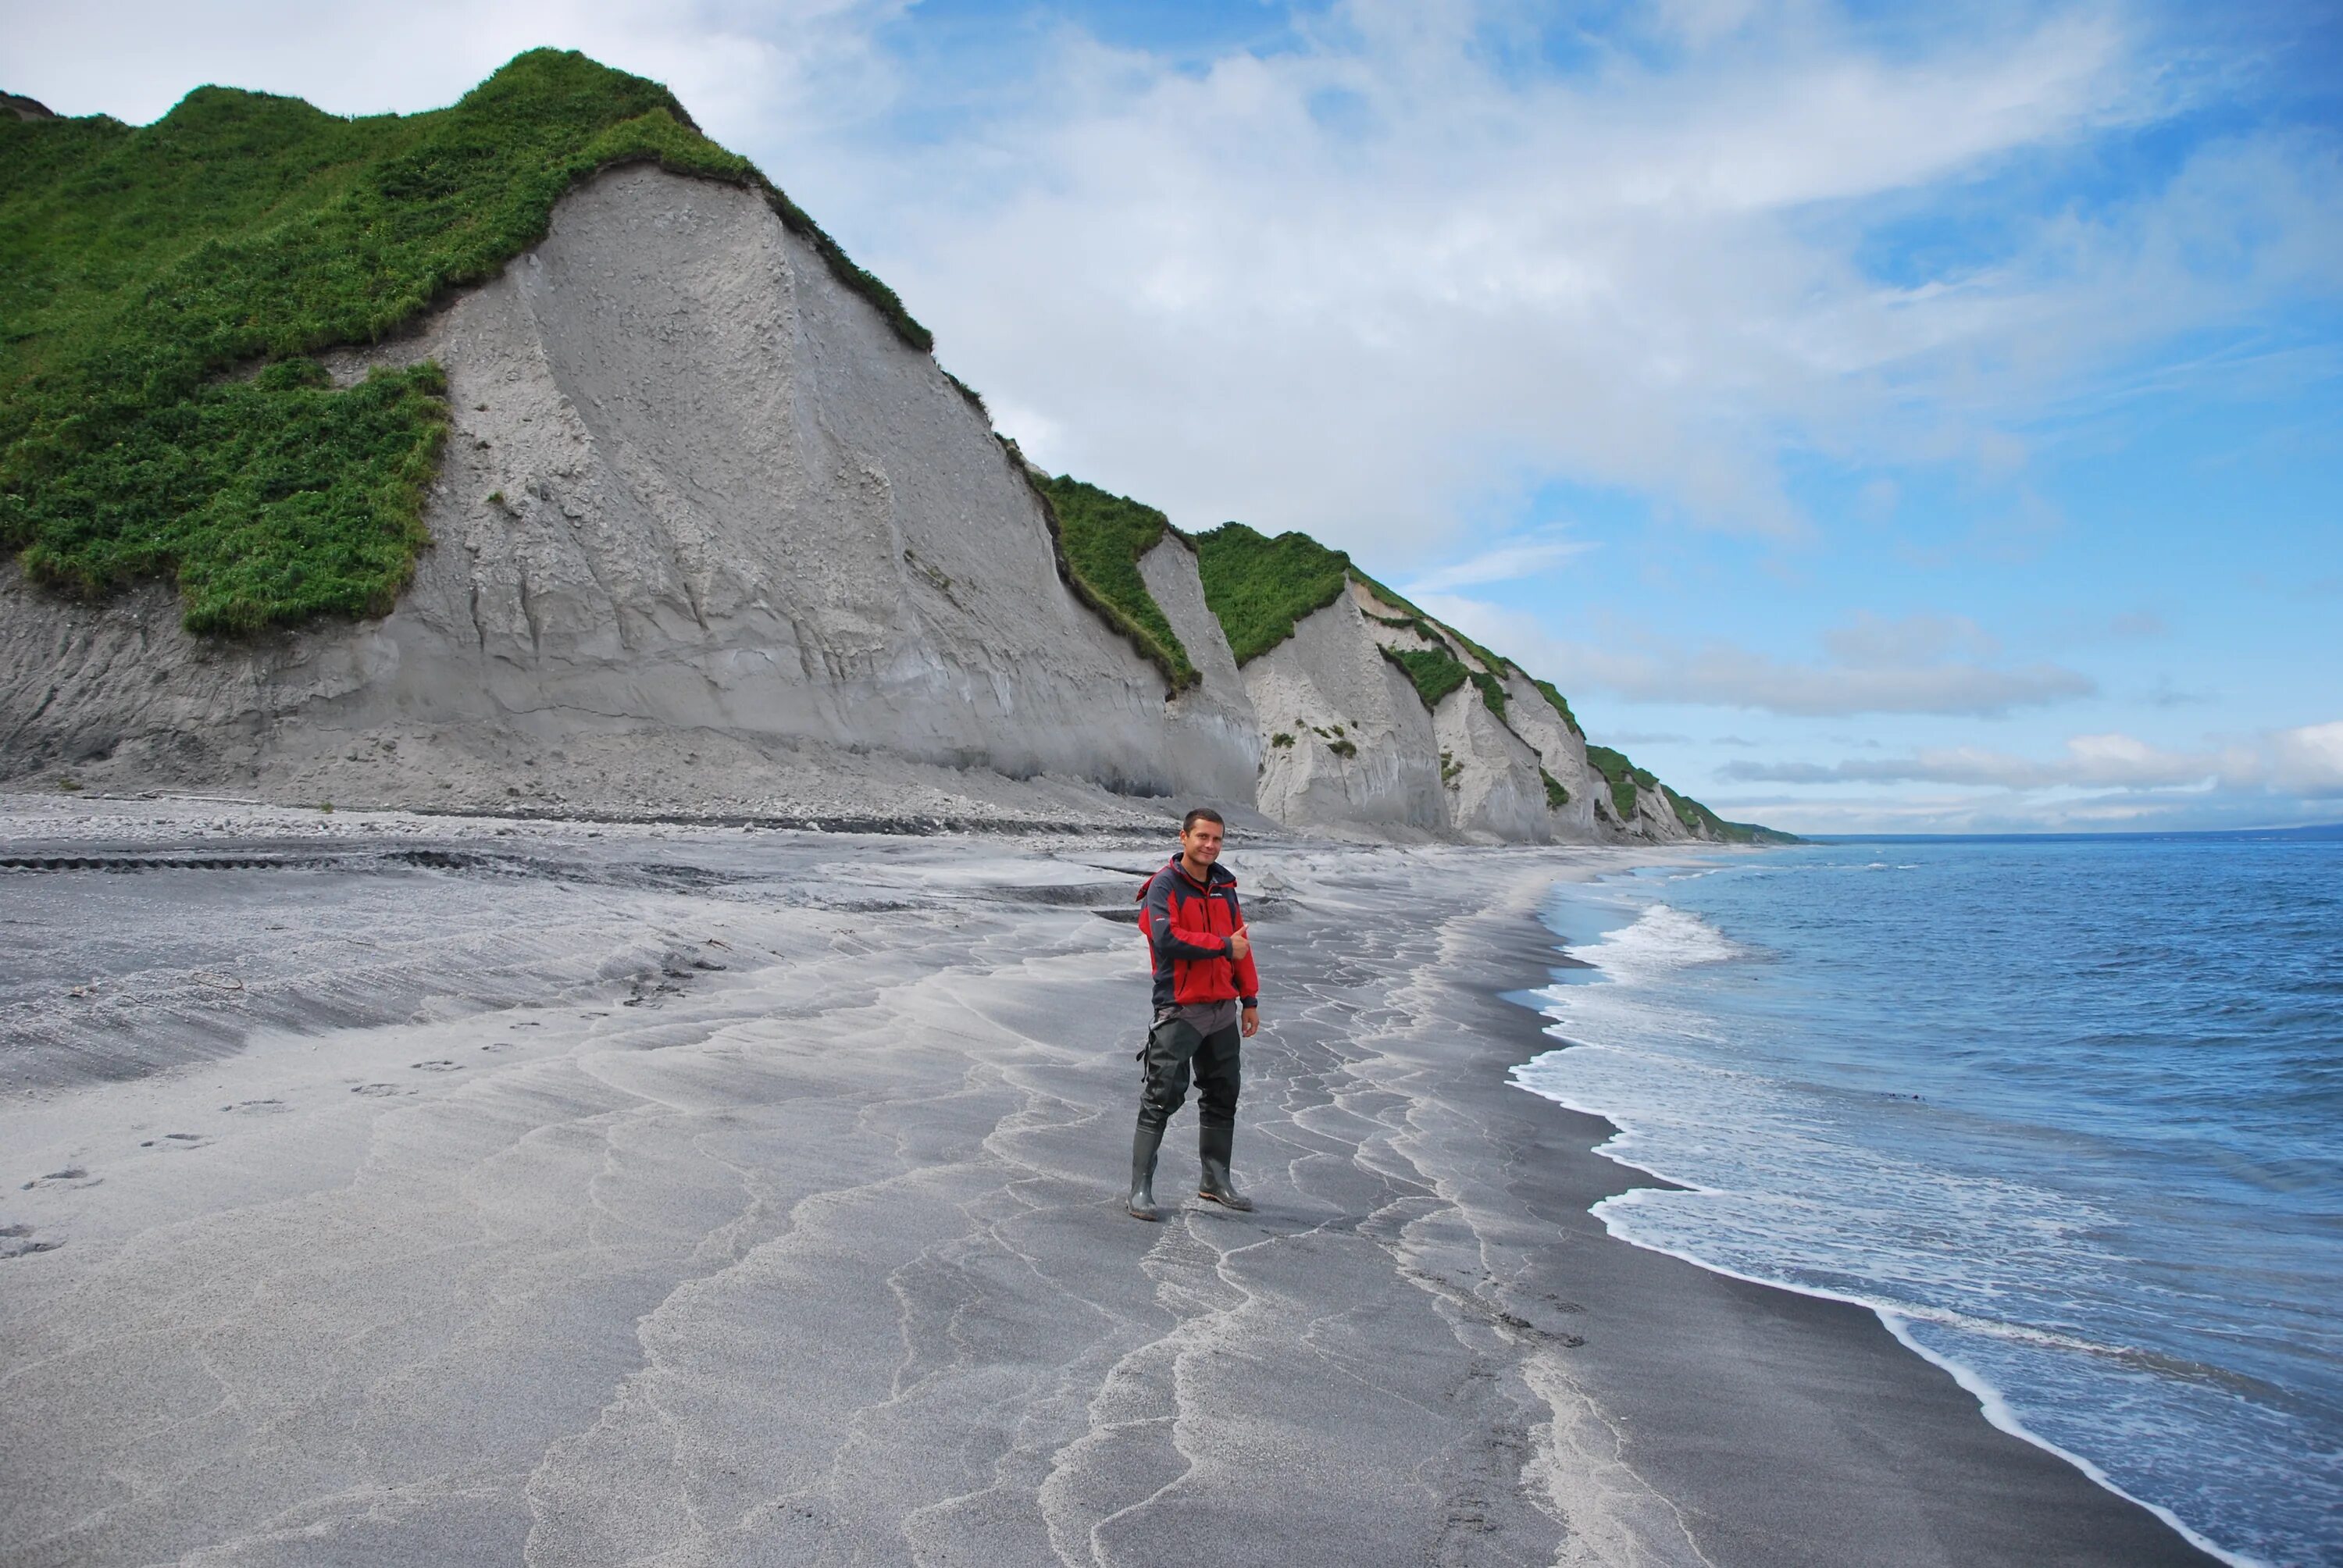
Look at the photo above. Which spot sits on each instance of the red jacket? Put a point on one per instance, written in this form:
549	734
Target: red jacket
1188	924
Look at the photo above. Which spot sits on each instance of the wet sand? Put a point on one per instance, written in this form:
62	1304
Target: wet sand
478	1193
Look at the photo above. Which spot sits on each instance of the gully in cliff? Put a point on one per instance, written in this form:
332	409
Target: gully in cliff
1203	972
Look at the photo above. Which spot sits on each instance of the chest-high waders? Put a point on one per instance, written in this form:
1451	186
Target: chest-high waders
1174	1050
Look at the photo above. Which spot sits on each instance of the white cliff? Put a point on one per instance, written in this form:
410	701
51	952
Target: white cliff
1353	746
1349	745
1561	753
706	532
1217	705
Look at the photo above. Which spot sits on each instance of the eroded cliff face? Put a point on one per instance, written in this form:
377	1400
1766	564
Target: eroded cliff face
703	526
1218	705
1561	753
1351	745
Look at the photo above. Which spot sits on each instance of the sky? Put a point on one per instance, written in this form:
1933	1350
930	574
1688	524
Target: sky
1876	418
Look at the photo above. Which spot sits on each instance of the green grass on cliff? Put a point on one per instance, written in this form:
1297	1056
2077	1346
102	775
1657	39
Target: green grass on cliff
1696	817
161	289
1560	705
1437	672
1259	587
1490	679
1492	691
1623	776
1414	617
1104	535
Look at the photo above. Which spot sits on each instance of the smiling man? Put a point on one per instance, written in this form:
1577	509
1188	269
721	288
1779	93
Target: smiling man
1207	1001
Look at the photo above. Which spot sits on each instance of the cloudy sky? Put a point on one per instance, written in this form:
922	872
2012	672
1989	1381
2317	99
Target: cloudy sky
1872	420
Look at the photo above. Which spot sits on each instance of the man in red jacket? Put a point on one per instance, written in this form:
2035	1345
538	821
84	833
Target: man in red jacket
1207	997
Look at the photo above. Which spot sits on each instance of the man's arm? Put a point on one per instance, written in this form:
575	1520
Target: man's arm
1248	978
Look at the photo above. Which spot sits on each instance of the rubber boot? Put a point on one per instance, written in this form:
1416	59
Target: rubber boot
1143	1144
1215	1144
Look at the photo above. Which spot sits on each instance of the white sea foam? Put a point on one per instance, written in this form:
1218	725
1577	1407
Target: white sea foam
1661	938
1815	1188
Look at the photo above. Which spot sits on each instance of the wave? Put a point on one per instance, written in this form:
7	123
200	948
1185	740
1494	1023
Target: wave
1661	941
1791	1174
1802	1246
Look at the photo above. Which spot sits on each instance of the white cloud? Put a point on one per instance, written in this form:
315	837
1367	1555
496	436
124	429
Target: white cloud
2304	763
1909	813
2092	762
1877	665
1875	642
1193	282
2124	760
1722	675
1369	325
2308	761
1506	563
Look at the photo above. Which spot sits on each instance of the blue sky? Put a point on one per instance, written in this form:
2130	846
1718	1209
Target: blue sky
1912	419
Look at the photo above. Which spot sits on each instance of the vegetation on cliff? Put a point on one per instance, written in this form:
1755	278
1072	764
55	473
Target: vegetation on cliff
161	289
1698	817
1260	588
1492	691
1104	536
1623	776
1437	672
1559	704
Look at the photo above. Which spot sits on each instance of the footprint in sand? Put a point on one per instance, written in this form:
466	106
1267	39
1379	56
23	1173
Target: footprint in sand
255	1107
71	1176
378	1090
16	1242
177	1141
440	1064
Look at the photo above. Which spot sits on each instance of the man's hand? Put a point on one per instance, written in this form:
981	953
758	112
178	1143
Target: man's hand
1240	944
1248	1022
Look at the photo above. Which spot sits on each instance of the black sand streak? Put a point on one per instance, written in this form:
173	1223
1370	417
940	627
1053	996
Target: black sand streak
1789	1430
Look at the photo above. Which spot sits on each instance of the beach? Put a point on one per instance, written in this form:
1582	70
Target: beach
402	1189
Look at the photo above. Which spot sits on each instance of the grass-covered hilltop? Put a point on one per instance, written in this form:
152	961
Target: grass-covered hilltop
511	370
163	290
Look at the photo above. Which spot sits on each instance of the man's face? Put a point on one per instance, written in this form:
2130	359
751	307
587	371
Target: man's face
1201	842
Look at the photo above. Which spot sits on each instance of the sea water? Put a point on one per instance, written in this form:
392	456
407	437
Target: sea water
2067	1112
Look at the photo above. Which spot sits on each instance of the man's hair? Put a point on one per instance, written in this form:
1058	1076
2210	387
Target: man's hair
1200	813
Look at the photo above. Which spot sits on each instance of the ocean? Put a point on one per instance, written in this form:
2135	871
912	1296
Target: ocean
2066	1113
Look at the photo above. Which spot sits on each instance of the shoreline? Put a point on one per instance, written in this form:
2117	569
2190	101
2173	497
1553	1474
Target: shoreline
776	1213
2052	1505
